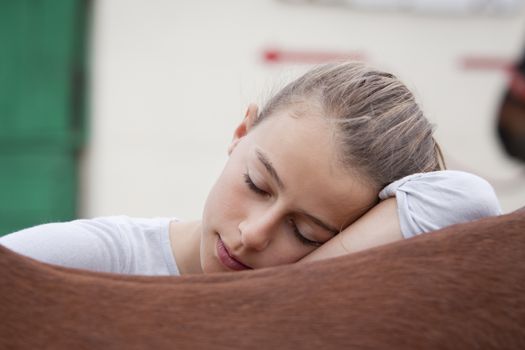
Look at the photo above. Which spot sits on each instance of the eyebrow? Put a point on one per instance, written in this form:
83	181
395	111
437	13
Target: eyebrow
271	170
269	167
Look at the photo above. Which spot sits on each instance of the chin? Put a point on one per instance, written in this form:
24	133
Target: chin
212	268
209	262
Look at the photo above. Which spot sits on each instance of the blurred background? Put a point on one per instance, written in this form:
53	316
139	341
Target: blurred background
128	106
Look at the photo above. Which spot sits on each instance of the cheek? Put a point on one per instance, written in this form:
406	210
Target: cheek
284	253
227	197
285	249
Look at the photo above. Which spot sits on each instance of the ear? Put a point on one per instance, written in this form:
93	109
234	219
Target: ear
245	126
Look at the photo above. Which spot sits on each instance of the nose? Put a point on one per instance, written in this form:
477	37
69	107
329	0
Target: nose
258	230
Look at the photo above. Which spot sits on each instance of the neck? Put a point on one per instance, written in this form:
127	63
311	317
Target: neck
185	240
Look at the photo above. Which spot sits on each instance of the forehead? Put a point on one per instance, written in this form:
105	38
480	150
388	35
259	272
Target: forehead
304	153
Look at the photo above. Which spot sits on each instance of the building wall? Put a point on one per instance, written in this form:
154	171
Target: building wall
171	79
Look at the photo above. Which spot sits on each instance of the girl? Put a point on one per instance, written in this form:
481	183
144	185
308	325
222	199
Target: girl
303	181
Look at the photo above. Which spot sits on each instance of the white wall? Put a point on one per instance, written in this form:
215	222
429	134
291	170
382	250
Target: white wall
170	80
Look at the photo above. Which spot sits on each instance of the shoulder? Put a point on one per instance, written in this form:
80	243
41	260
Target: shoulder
438	187
99	244
429	201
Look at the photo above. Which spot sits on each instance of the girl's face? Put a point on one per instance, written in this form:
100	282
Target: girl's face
282	194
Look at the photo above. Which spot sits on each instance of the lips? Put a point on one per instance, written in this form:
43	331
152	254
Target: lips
227	260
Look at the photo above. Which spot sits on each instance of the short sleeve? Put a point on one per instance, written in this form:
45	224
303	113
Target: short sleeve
430	201
95	244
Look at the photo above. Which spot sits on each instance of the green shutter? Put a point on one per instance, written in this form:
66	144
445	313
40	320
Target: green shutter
42	124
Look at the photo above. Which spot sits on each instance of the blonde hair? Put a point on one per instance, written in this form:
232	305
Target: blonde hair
380	128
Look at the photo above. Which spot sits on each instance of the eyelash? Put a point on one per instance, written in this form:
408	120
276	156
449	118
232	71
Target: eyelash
302	238
253	187
295	230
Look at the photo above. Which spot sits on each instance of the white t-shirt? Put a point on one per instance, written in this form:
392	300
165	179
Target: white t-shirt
120	244
117	244
429	201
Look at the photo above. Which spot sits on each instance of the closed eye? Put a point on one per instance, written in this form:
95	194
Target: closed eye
300	236
252	186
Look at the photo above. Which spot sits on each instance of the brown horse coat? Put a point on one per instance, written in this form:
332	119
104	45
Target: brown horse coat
460	288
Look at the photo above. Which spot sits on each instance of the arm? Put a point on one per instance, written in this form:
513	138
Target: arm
380	225
423	202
